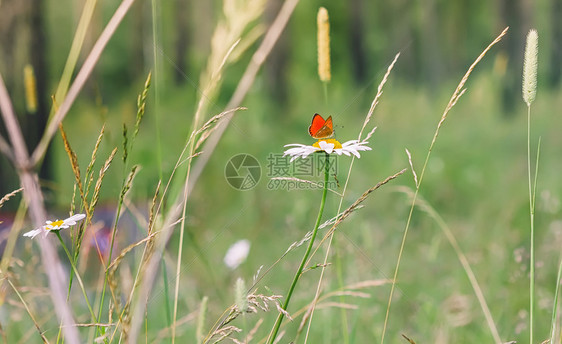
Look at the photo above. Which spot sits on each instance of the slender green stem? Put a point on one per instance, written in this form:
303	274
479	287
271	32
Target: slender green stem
339	272
280	317
532	216
555	304
155	39
106	271
78	278
166	292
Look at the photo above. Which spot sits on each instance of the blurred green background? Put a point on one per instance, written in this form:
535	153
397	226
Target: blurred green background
476	179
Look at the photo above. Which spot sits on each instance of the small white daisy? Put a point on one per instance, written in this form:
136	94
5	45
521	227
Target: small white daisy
237	254
55	225
326	145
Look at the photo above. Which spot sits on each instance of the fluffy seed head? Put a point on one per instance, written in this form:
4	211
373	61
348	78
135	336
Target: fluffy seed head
530	64
324	70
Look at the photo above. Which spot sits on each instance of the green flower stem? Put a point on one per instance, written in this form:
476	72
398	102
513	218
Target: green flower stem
555	305
532	191
77	275
280	317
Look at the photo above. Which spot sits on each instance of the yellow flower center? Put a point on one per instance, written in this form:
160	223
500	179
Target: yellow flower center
337	144
54	224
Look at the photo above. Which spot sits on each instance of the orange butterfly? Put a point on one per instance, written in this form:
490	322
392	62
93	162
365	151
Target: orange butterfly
320	128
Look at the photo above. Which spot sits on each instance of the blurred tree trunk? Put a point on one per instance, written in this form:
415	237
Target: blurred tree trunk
38	55
432	66
556	42
10	12
182	40
515	14
275	67
23	42
138	63
356	41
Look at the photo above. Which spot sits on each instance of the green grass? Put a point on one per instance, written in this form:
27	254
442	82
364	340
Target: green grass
475	181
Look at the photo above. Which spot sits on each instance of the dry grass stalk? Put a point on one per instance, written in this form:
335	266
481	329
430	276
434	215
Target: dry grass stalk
28	310
427	208
125	143
101	175
81	78
358	202
412	167
129	181
356	205
124	316
115	263
459	91
378	95
247	80
211	125
95	197
112	268
254	330
254	302
8	196
152	212
224	333
141	104
164	333
349	290
89	177
329	235
408	339
6	149
240	14
75	169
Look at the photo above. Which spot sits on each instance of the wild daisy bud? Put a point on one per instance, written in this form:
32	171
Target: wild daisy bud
530	67
237	253
30	89
323	45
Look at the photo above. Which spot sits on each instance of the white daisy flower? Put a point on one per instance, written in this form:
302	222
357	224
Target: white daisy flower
326	145
237	254
55	225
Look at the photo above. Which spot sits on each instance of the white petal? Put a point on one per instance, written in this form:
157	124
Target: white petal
344	151
349	143
32	234
326	147
299	151
72	220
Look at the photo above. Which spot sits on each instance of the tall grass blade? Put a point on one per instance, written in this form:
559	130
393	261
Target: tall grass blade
459	91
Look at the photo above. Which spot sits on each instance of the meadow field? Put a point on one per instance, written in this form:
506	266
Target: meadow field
166	125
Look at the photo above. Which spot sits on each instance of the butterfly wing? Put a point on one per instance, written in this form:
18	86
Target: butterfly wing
320	128
316	124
